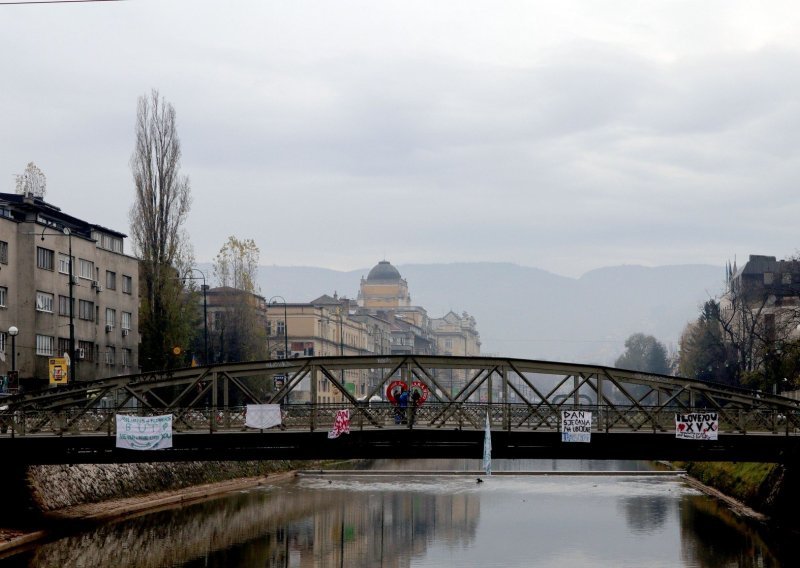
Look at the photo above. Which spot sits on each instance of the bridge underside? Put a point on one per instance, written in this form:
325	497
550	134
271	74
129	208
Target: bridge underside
403	444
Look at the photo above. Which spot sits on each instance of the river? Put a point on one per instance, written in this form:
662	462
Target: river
402	514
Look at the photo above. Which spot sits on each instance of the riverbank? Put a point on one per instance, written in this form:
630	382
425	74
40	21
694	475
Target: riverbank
128	507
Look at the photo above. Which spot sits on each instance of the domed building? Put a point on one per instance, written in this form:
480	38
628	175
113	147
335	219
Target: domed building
383	289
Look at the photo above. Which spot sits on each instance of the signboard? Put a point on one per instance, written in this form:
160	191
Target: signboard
697	426
144	432
58	371
576	426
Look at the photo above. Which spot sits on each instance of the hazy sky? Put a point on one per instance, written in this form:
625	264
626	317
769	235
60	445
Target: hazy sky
565	135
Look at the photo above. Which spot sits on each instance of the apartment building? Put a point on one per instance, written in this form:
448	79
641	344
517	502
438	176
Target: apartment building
96	311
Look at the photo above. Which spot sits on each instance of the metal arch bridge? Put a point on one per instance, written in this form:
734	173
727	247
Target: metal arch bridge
633	413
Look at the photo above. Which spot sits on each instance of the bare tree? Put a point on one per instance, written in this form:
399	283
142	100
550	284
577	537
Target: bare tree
32	182
159	211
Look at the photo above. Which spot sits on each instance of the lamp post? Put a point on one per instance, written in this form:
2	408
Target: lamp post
13	331
274	300
205	308
73	362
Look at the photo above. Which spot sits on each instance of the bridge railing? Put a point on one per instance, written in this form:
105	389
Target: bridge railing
320	417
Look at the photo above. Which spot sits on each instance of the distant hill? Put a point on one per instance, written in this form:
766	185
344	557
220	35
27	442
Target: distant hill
531	313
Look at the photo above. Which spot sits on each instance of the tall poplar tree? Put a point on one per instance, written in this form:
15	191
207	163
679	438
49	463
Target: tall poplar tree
162	203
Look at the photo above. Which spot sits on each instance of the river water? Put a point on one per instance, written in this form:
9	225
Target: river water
401	514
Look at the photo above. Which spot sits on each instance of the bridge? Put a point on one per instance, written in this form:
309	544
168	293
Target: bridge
632	413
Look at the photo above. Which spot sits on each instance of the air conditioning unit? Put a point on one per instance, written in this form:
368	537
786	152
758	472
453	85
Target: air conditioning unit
109	328
125	332
95	284
79	353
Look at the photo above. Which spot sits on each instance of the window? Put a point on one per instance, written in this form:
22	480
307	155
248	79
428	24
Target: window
126	320
44	258
108	242
280	327
86	269
126	357
63	305
3	252
63	263
110	355
127	284
3	294
44	345
786	278
768	278
111	317
3	339
44	302
85	351
85	310
63	345
111	280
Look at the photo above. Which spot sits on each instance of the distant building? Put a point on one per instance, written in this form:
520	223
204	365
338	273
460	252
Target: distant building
35	240
762	309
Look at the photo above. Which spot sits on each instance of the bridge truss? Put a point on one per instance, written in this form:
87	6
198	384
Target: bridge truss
518	396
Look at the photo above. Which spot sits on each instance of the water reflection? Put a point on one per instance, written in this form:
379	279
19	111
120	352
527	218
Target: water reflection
424	520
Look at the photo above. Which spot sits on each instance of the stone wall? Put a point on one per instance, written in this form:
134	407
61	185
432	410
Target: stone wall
51	487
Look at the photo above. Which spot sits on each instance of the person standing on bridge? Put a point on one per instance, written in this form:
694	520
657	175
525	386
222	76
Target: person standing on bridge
403	405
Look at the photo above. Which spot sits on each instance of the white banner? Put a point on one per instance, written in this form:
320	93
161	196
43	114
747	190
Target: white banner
263	415
144	432
697	426
576	426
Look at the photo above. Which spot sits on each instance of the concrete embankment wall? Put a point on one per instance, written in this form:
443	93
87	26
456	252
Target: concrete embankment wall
45	488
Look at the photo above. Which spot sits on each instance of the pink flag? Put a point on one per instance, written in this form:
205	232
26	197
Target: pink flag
341	425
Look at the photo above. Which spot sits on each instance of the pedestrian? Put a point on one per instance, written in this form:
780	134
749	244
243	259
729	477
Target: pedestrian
403	400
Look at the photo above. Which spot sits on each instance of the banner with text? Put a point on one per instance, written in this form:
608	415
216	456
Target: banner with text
576	426
697	426
341	424
144	432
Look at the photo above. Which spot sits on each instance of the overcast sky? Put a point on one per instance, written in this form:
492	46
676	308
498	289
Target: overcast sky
564	135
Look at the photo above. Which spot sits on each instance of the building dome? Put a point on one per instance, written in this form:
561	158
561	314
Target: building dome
384	271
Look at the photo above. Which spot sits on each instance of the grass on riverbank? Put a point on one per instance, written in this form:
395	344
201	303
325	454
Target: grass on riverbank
742	480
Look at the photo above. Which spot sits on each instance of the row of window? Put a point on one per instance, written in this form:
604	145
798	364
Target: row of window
85	350
45	258
86	309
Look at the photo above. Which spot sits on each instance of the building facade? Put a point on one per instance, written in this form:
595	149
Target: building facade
97	310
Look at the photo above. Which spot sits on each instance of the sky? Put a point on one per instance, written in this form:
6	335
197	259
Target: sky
565	135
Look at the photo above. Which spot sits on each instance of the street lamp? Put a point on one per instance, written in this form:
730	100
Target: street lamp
205	308
274	300
13	331
73	362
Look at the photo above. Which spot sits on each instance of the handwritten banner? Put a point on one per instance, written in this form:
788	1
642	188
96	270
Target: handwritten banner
697	426
576	426
144	432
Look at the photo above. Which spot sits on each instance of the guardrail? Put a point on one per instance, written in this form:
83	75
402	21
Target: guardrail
431	415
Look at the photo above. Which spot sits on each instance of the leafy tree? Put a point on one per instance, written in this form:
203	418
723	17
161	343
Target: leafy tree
161	205
236	264
704	354
241	321
644	353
